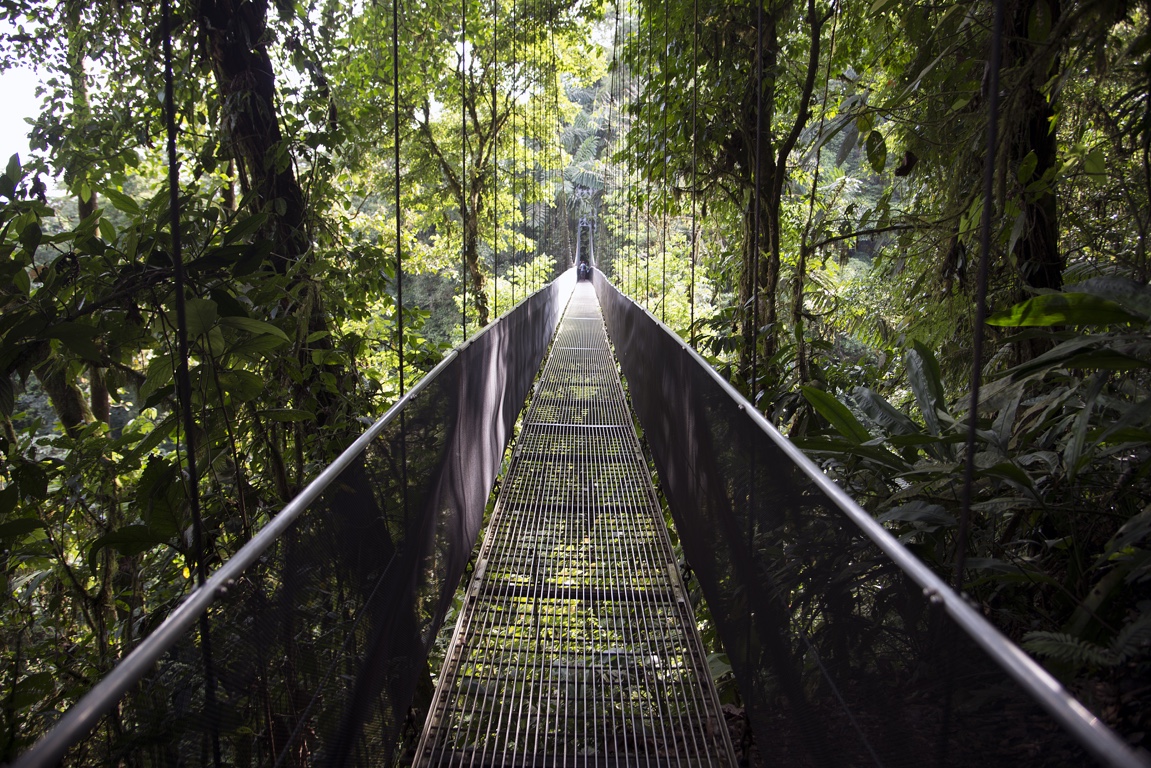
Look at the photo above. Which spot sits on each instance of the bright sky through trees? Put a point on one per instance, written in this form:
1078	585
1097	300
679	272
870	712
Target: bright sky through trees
18	89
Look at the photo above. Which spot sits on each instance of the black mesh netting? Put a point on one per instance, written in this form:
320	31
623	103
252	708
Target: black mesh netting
318	649
840	658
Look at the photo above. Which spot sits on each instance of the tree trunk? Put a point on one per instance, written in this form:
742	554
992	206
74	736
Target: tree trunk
98	395
81	110
472	255
67	400
797	319
234	33
757	288
1038	260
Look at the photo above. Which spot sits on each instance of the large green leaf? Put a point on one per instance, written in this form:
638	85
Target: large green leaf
78	338
1064	309
926	383
129	540
883	413
202	316
1133	296
876	147
19	528
122	201
254	326
838	414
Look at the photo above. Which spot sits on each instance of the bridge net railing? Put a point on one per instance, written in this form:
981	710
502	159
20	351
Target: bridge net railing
846	650
319	630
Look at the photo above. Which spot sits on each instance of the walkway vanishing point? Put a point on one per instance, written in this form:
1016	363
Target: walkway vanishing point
576	644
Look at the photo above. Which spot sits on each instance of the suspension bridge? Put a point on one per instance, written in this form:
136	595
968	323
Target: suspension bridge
575	642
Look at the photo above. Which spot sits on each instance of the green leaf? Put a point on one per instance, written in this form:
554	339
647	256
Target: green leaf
1010	473
32	689
1063	309
1091	351
242	385
288	414
837	414
77	337
876	151
927	384
202	316
129	540
884	413
1073	452
1094	162
160	374
254	326
1133	532
122	202
22	281
1132	295
31	236
718	664
13	171
879	5
1027	167
160	432
107	229
245	227
18	529
918	512
7	396
850	137
961	102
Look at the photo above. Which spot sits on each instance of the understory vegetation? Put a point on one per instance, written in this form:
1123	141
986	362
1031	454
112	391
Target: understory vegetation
796	189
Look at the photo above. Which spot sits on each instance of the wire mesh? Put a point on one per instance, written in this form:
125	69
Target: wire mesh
576	644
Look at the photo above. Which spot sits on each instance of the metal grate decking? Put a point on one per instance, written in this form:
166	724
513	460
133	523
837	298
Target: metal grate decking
576	644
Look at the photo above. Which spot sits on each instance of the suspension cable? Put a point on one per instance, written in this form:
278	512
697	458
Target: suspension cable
996	62
694	164
464	163
647	183
663	155
184	378
495	161
755	222
399	207
515	139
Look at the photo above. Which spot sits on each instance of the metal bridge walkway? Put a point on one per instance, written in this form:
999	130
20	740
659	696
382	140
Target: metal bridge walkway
576	644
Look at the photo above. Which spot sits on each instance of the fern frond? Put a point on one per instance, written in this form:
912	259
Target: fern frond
1133	639
1062	647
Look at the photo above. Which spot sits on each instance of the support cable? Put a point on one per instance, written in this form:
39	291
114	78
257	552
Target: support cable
184	379
663	156
495	161
694	164
399	207
753	458
755	219
464	162
515	138
996	62
647	184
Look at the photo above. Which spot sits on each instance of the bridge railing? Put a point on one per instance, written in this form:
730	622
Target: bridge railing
308	645
846	648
